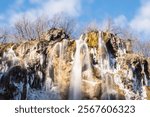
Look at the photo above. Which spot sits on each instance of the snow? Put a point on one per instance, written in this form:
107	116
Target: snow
52	94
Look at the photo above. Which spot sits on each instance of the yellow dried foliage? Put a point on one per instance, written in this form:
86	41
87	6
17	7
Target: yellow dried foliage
105	36
92	39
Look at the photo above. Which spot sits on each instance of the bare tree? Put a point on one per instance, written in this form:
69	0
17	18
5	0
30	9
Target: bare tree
63	21
24	29
123	32
3	35
141	47
109	25
92	26
41	25
27	29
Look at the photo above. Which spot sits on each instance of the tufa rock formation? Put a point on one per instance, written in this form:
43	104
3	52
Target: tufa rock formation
99	65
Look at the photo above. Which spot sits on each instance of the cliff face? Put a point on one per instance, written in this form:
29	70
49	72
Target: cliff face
99	65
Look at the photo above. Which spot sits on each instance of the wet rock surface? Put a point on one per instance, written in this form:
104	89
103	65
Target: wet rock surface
99	65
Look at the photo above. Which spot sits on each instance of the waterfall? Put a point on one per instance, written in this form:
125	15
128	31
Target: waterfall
86	61
60	63
50	90
73	69
50	81
104	55
81	58
110	74
75	82
108	91
145	78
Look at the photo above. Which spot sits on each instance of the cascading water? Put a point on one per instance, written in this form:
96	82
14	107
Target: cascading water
8	56
75	82
83	76
50	89
86	61
108	91
81	58
104	55
60	62
145	78
50	70
48	82
107	68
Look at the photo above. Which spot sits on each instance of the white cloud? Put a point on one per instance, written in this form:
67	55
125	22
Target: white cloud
140	24
141	21
19	2
47	7
35	1
1	17
121	21
71	7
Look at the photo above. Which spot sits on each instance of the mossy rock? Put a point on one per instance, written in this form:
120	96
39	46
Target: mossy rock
92	39
72	45
106	36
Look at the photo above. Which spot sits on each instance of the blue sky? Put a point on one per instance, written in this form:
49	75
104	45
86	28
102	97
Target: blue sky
90	9
100	9
133	13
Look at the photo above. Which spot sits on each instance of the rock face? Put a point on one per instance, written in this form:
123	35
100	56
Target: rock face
99	65
55	35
